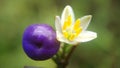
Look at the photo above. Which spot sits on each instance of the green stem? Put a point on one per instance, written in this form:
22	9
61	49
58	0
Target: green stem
63	56
63	62
70	53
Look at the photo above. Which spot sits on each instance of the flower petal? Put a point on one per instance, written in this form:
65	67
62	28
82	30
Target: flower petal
61	38
58	24
67	12
86	36
85	21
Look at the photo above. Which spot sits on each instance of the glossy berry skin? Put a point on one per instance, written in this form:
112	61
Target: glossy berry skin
39	42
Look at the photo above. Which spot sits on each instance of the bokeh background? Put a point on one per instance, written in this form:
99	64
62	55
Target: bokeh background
103	52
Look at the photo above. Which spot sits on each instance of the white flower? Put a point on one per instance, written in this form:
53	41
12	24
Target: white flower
73	32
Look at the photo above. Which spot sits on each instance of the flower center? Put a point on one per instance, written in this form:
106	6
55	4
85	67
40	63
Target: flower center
70	30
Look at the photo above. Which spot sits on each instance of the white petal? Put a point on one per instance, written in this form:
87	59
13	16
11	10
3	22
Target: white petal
86	36
58	24
85	21
66	12
61	38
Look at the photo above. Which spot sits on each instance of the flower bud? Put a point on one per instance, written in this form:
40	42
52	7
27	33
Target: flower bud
39	42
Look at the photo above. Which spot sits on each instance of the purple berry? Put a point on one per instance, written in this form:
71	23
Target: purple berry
39	42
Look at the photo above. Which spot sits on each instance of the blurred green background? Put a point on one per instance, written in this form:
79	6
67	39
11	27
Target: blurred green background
103	52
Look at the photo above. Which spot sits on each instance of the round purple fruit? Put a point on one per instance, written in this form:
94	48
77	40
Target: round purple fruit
39	42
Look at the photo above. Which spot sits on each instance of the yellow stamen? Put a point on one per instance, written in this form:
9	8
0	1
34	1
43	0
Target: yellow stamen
77	27
70	31
77	24
72	36
65	34
67	22
78	31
